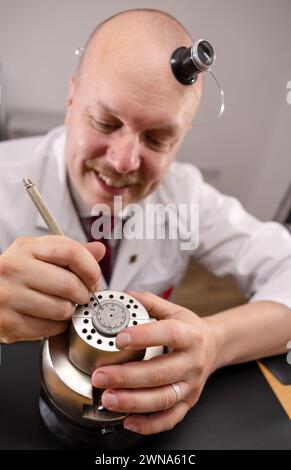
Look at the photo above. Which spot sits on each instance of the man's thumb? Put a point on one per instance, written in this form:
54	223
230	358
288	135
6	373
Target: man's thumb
97	249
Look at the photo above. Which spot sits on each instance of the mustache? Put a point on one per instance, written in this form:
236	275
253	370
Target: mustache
127	179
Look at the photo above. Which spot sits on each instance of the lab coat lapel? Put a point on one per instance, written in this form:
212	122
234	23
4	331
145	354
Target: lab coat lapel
132	256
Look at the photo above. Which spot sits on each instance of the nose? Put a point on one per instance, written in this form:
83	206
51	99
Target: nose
123	154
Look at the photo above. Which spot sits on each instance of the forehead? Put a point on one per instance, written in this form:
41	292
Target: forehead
144	102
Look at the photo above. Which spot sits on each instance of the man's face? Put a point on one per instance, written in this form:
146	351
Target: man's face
122	134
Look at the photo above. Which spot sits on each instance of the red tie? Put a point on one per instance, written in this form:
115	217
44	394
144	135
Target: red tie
106	262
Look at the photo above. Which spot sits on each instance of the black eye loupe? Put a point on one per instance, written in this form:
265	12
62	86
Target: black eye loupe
187	63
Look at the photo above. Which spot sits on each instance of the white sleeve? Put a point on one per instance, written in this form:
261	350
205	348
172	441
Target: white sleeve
231	241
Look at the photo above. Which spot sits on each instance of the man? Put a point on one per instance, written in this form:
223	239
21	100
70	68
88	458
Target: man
126	118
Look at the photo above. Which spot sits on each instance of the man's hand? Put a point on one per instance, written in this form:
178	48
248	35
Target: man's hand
144	387
41	280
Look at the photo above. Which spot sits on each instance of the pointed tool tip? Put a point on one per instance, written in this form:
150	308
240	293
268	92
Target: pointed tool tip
27	182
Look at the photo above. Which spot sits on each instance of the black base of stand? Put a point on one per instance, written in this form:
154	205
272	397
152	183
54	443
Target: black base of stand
73	436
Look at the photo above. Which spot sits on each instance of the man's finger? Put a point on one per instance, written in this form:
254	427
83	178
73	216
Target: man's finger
54	280
156	422
97	249
161	370
156	306
71	254
17	327
37	304
143	400
172	333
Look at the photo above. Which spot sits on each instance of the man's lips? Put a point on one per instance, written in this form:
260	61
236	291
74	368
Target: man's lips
110	189
112	179
115	182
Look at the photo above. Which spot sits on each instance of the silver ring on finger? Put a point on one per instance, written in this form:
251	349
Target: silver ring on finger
178	392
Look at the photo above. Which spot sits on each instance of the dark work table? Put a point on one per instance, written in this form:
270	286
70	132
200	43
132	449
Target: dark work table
237	409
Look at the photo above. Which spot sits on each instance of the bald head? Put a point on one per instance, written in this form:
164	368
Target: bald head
138	44
155	25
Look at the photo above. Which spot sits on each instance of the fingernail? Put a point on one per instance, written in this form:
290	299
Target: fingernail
110	400
95	288
123	340
130	427
99	379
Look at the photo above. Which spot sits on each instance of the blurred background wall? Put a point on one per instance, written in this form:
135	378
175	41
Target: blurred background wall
246	153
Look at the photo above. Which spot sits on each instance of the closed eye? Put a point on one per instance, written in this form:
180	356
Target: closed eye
157	145
104	126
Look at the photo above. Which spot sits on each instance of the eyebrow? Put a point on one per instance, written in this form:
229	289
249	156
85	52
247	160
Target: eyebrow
105	106
170	130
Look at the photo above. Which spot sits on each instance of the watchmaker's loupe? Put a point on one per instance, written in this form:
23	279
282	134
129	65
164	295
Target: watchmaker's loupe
70	407
187	63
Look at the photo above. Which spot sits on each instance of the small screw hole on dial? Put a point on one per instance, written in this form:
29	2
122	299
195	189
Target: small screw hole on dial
111	343
89	337
99	341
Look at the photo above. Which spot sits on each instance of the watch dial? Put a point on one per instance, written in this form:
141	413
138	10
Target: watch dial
111	317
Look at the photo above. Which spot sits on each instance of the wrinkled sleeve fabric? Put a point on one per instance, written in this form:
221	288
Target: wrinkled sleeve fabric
231	241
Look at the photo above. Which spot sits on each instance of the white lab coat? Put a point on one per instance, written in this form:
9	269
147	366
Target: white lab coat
231	240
